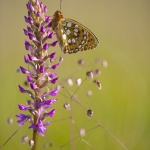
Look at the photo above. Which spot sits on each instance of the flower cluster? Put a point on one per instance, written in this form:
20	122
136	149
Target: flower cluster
41	66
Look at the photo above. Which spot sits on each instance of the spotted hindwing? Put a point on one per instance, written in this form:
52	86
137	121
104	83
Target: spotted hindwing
73	37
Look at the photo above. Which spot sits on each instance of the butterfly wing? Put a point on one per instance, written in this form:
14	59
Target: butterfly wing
73	36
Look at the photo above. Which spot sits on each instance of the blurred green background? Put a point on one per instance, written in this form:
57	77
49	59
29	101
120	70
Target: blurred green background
122	106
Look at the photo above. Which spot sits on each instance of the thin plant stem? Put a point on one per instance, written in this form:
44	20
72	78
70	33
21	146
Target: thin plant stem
12	135
100	124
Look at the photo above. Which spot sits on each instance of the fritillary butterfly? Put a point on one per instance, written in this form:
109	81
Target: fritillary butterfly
72	36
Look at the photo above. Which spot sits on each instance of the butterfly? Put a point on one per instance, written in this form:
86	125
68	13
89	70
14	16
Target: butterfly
72	36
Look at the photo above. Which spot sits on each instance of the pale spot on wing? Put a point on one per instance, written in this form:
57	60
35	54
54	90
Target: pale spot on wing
75	34
82	42
73	40
85	37
64	36
68	32
75	30
61	30
69	41
76	26
69	24
84	32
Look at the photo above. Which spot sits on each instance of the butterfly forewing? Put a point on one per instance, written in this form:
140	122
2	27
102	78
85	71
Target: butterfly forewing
73	36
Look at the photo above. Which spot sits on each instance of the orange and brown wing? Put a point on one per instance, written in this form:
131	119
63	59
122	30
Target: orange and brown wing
73	36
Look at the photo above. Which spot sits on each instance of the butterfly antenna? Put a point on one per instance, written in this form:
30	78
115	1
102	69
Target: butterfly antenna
60	4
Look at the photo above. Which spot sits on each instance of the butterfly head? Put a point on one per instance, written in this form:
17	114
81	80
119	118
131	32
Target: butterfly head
58	14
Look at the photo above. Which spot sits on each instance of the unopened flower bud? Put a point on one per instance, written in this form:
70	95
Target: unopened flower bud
27	5
25	139
26	19
97	72
26	60
30	20
25	32
51	144
90	113
29	102
70	82
55	66
78	81
51	35
42	69
29	29
52	55
36	2
51	60
104	63
80	62
42	29
10	120
48	32
49	25
53	81
30	7
61	59
89	93
89	74
45	9
41	5
47	19
29	14
45	46
38	13
31	143
54	43
23	70
32	37
29	78
26	83
33	86
82	132
58	87
98	84
67	106
27	45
